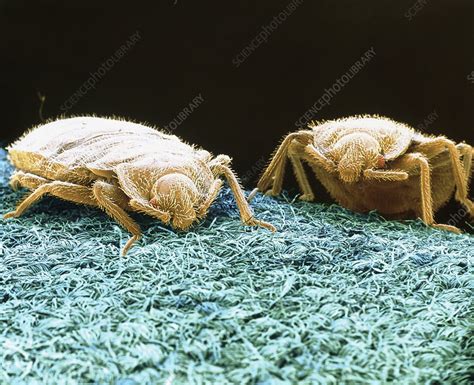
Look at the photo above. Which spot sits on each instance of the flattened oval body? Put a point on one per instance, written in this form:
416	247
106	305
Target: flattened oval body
120	166
82	149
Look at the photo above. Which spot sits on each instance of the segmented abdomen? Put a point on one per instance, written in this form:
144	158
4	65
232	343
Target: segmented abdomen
66	149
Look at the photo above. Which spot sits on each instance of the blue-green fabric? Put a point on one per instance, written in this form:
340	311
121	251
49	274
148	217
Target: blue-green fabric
331	298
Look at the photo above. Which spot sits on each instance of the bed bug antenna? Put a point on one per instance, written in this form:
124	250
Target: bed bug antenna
42	99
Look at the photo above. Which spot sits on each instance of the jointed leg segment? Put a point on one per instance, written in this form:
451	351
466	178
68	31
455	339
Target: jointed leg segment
301	178
273	175
461	172
213	191
385	175
467	153
314	156
296	147
102	194
109	198
27	180
418	160
64	190
244	208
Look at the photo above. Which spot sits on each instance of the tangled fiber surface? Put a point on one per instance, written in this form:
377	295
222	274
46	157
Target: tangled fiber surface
331	298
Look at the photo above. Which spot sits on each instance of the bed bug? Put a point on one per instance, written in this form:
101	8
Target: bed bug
374	163
121	166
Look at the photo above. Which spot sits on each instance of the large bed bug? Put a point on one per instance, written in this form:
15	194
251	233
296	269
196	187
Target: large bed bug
121	166
374	163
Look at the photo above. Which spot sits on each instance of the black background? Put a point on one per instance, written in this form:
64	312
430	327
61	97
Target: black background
421	66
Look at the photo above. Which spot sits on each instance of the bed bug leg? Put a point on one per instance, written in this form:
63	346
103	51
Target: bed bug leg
314	156
245	212
30	181
212	195
301	178
15	181
129	244
437	145
418	160
110	198
385	175
147	208
274	173
467	152
64	190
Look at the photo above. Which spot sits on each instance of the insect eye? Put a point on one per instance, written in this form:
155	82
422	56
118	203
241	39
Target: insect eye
381	161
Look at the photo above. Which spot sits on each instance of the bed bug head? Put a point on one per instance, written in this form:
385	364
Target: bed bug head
355	153
176	194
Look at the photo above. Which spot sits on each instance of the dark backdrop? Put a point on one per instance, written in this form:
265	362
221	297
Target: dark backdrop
422	71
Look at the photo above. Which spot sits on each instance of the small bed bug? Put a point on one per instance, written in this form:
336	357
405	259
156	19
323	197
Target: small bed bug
374	163
121	166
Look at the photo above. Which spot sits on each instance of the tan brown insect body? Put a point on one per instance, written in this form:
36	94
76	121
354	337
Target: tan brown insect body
373	163
121	166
